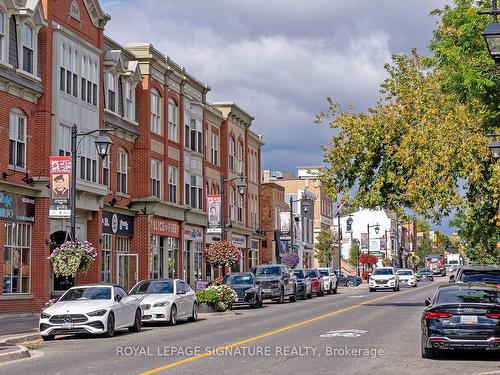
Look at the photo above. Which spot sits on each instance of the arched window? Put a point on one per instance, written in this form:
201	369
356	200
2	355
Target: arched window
173	114
121	171
240	157
28	48
156	112
17	138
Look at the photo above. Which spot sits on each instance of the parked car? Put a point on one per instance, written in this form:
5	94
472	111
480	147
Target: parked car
484	274
317	285
461	316
425	274
94	309
407	277
276	282
303	284
345	279
383	278
329	280
166	300
247	288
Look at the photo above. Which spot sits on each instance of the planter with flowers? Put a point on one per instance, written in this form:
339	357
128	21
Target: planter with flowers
291	260
72	257
215	298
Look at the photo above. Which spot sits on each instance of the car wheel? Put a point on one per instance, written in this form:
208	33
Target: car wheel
293	297
334	291
48	337
173	316
137	322
415	285
281	298
372	290
395	289
428	353
110	325
350	283
321	293
194	314
261	301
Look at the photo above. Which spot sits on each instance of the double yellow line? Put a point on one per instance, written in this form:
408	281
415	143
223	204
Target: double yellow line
264	335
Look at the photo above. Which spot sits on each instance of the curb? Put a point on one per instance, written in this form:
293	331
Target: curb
12	340
20	353
13	316
214	314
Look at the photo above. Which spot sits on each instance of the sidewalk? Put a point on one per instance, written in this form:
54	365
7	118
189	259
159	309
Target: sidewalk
18	323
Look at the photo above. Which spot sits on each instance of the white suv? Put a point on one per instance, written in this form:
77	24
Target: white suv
329	280
384	278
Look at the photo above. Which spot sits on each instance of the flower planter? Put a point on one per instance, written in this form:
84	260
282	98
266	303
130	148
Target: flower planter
206	308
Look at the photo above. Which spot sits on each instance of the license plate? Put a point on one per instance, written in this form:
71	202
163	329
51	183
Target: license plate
468	319
403	281
67	325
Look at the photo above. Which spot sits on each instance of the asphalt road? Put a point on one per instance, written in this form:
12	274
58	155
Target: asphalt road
354	332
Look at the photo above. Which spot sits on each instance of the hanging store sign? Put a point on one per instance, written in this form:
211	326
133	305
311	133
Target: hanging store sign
121	225
60	187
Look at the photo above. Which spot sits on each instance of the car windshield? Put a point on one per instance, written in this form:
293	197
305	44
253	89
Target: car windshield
299	274
323	272
153	287
404	273
424	270
82	294
311	273
468	295
383	271
238	280
268	271
492	276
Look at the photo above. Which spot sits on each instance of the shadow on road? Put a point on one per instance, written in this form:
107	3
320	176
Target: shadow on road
468	355
398	304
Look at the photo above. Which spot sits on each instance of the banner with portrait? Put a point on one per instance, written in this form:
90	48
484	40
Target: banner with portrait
214	203
364	241
60	187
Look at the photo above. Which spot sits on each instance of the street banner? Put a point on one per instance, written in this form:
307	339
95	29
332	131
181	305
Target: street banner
60	187
383	242
364	241
374	244
214	203
285	223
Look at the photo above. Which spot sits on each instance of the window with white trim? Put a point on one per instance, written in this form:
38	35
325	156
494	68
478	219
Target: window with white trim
17	258
88	89
173	112
28	40
121	171
111	95
172	184
215	149
240	157
156	178
232	202
3	35
156	261
240	208
105	171
156	112
106	258
196	141
231	154
129	98
17	138
187	182
196	193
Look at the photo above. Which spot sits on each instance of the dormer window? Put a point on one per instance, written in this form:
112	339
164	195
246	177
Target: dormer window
129	98
28	48
111	92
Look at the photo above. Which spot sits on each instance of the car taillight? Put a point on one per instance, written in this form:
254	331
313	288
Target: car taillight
436	315
493	315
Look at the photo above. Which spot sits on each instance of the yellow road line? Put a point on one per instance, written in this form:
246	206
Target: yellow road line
267	334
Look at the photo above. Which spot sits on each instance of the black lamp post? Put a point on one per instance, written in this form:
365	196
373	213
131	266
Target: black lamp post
495	147
377	229
492	32
241	185
304	206
103	144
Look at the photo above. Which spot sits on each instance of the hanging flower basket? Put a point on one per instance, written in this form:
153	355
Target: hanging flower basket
72	257
291	260
222	253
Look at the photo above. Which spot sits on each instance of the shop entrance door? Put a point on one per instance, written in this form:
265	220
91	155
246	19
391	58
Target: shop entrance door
127	270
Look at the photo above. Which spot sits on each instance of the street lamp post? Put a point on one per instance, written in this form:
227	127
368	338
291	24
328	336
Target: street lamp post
377	229
241	185
304	206
492	32
102	144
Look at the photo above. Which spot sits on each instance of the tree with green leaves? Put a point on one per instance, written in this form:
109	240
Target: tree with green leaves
424	145
324	246
355	252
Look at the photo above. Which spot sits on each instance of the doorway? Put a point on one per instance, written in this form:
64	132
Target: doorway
127	266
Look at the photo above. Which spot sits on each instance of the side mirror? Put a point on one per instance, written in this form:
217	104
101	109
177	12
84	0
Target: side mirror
428	302
118	298
452	278
181	292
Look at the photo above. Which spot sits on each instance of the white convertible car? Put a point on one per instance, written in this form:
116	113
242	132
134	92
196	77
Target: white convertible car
96	309
166	300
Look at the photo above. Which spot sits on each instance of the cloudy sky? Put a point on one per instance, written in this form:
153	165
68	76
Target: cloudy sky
280	59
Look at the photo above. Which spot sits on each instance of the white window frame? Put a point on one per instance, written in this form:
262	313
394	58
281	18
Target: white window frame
239	156
107	258
215	149
18	236
111	88
31	47
172	183
240	204
156	105
105	171
173	120
4	36
231	153
16	140
129	100
156	172
232	203
121	170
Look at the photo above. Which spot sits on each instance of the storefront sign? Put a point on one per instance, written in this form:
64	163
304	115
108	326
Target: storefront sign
193	234
121	225
15	207
214	203
239	241
165	228
212	238
60	187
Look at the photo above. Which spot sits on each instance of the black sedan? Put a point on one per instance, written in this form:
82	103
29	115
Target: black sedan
461	316
348	280
425	274
247	288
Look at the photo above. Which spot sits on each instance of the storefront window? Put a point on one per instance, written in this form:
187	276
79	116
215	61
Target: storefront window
198	252
156	270
17	258
173	250
106	258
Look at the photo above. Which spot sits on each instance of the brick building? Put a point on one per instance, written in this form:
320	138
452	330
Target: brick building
272	204
143	206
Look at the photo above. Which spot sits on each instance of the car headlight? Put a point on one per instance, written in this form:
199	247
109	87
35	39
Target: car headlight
275	285
161	304
97	313
44	315
251	290
392	278
371	279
